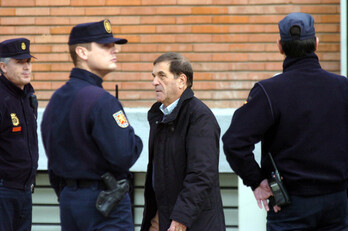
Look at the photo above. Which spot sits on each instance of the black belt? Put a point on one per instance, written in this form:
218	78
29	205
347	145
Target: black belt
85	183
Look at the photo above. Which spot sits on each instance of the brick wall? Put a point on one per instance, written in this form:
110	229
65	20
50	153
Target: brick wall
231	43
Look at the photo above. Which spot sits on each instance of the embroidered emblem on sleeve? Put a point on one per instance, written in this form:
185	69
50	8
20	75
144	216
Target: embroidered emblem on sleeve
121	119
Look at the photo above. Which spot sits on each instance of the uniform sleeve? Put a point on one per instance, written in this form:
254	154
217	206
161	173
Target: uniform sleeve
202	146
249	124
113	134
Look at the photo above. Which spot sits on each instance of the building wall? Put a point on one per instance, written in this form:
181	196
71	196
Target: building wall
230	42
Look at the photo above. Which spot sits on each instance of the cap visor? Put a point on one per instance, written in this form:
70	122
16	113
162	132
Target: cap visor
112	40
22	56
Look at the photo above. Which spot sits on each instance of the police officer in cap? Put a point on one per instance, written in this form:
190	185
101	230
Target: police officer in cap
18	137
86	134
301	118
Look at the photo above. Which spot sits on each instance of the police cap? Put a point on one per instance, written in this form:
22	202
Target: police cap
17	48
304	21
99	32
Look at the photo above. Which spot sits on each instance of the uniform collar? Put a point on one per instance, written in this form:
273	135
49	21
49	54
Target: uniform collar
28	89
87	76
156	114
303	62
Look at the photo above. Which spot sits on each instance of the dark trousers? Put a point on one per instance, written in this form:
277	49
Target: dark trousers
78	212
15	209
317	213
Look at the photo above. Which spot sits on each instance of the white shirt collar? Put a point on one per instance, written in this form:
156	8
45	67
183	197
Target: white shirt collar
170	108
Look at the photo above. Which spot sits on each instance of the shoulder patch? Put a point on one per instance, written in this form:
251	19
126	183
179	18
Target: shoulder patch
121	119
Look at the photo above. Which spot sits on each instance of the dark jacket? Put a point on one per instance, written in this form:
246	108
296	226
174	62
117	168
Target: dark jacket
184	151
86	132
301	117
18	136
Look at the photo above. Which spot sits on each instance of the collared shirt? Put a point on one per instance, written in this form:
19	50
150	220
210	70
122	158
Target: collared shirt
167	110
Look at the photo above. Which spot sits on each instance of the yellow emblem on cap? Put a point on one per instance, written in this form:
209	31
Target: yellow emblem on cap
23	46
107	26
121	119
15	120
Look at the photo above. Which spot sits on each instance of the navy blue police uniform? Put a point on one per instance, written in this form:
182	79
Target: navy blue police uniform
18	144
86	133
301	118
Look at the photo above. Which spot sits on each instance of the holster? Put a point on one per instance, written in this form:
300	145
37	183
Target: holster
109	199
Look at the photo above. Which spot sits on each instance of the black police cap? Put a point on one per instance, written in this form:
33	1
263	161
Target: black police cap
17	48
99	32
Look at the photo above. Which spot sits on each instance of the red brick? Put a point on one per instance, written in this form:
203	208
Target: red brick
231	57
231	19
44	57
210	47
35	48
267	2
173	10
174	29
41	85
68	11
139	11
194	2
137	29
43	96
51	21
52	76
157	38
47	38
209	10
17	3
193	19
327	28
189	38
32	30
157	20
327	19
158	2
17	21
123	2
321	9
60	30
87	2
174	47
52	3
32	11
7	11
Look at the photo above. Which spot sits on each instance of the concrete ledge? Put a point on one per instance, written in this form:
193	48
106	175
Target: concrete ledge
138	119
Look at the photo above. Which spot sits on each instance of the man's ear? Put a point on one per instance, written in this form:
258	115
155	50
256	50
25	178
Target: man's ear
182	81
280	47
3	67
82	52
316	43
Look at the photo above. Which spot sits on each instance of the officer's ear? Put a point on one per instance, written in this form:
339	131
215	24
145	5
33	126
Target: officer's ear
280	47
3	67
316	43
82	52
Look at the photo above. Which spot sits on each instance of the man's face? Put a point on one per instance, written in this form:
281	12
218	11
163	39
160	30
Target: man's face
102	58
18	71
166	86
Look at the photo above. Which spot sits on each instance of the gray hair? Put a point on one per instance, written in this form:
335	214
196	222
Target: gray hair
4	60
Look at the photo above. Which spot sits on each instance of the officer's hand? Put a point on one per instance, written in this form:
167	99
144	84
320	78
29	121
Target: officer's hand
176	226
262	193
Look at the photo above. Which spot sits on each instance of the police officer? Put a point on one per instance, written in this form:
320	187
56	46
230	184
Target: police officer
301	117
18	137
86	134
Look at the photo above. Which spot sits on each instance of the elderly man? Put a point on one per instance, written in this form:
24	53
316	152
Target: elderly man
182	182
